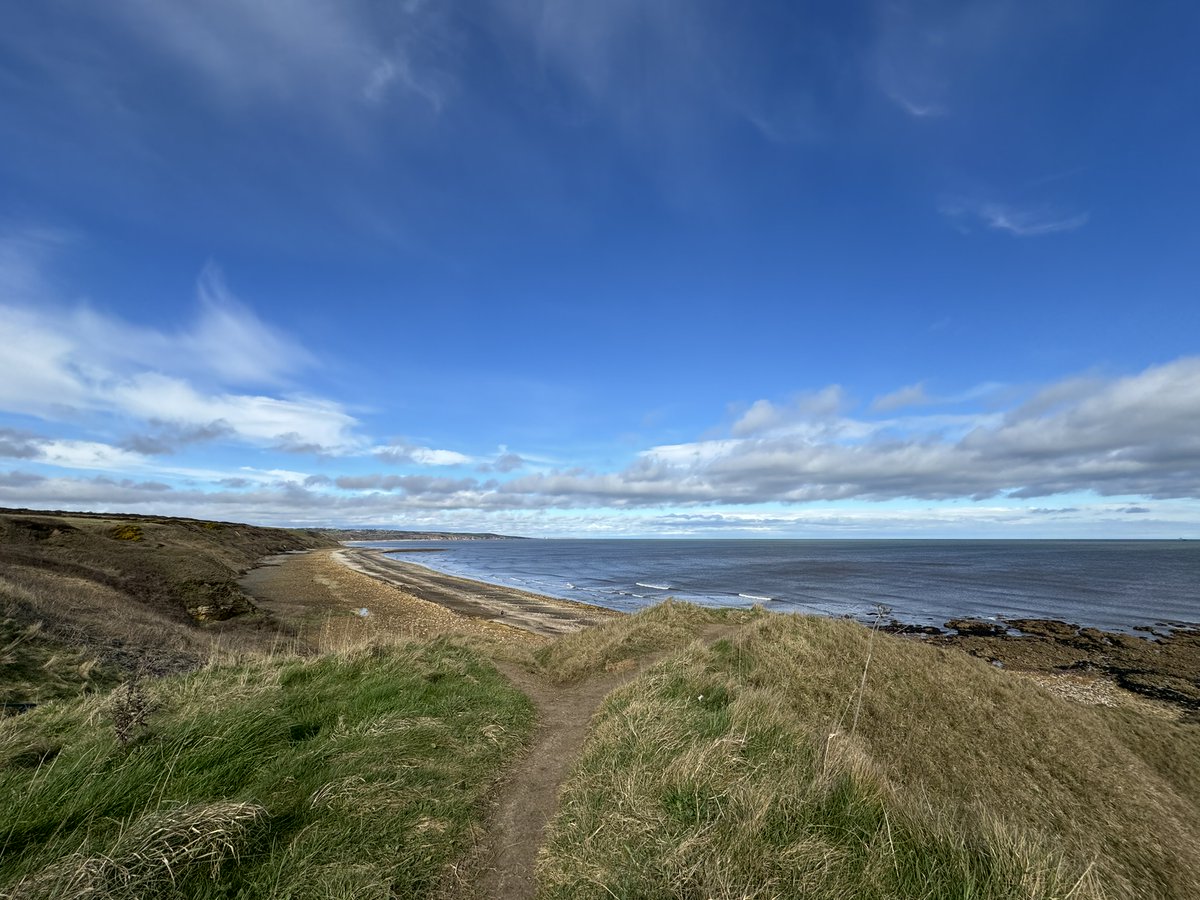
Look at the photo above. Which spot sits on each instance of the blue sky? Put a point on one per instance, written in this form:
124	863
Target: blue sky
621	268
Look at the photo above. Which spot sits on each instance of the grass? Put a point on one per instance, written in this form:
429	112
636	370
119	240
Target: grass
617	643
731	770
130	591
35	670
350	774
760	756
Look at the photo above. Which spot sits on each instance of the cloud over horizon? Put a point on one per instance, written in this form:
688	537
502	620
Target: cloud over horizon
1130	435
69	363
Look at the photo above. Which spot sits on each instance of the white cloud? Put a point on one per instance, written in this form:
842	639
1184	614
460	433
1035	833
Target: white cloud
317	54
1129	436
234	342
292	423
923	54
1029	222
909	395
73	362
89	455
808	407
402	452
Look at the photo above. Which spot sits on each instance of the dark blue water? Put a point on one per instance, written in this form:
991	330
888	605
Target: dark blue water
1107	584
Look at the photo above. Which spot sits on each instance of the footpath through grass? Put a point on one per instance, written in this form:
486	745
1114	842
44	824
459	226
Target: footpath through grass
778	763
349	775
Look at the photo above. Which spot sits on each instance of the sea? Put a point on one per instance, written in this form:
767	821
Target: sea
1113	585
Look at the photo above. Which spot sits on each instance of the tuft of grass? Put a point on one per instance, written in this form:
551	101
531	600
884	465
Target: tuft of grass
130	710
357	774
34	669
765	765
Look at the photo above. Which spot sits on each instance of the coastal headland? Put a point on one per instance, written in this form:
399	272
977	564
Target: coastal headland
346	723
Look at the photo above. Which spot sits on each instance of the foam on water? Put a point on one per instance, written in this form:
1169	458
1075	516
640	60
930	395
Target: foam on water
1108	584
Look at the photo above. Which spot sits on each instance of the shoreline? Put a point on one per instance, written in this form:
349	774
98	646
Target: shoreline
1160	668
467	597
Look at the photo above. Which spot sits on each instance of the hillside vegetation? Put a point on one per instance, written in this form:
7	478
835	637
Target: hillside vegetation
167	752
777	762
85	597
352	774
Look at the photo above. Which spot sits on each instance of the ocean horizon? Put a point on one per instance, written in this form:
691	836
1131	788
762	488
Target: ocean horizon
1111	584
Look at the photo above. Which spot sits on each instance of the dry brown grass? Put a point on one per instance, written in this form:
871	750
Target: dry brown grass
146	858
666	626
129	590
732	771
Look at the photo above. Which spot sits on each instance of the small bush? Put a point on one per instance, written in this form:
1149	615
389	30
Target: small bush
128	532
130	708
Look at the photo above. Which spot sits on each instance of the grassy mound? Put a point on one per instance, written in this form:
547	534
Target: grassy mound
347	775
780	763
616	643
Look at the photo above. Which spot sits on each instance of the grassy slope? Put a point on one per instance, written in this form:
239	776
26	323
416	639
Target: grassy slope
126	590
749	764
739	770
356	775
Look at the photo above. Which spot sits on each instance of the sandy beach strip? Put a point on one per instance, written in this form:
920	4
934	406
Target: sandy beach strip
309	591
476	599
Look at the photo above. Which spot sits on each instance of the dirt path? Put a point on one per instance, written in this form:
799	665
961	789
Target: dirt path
528	798
413	600
505	861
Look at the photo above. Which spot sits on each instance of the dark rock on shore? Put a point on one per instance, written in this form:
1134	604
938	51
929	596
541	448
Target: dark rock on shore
1162	687
977	627
1165	667
897	627
1048	628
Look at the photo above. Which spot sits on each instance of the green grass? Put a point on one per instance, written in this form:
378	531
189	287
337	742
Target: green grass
738	770
34	669
347	775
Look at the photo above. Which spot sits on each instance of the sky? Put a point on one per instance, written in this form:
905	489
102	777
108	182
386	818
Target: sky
645	269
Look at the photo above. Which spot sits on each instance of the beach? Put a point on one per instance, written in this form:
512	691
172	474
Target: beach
309	591
306	589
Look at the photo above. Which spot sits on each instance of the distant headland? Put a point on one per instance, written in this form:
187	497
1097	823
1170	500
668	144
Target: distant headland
383	534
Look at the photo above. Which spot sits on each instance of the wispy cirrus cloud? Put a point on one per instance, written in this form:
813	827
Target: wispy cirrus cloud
1019	221
323	55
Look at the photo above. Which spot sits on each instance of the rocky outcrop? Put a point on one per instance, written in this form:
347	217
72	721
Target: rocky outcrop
977	627
215	601
1165	667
